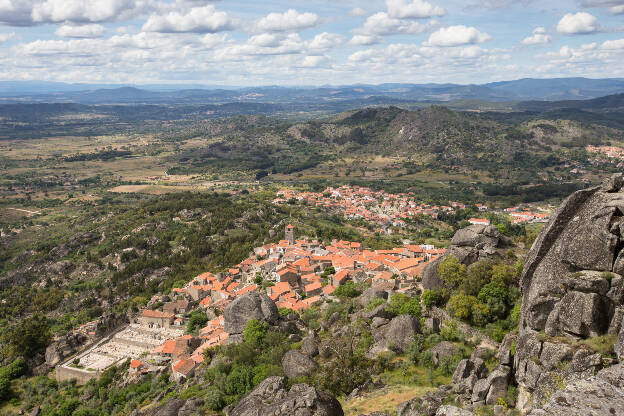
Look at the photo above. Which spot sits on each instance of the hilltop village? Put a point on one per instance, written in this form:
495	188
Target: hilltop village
294	273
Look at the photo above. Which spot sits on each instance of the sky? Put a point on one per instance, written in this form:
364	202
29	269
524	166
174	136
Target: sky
311	42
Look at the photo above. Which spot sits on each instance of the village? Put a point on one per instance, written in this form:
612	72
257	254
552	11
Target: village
387	210
295	273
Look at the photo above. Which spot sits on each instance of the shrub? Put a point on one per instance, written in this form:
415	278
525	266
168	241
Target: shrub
214	399
401	304
375	302
432	298
240	380
452	272
255	332
447	365
460	306
197	320
450	331
348	290
416	348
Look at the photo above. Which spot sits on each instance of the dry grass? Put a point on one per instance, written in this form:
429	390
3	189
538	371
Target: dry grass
383	400
153	189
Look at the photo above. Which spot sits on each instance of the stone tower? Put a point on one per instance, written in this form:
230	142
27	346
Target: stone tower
290	234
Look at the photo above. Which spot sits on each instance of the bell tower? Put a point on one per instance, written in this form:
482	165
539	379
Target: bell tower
290	234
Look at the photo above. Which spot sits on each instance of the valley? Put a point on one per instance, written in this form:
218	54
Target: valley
373	260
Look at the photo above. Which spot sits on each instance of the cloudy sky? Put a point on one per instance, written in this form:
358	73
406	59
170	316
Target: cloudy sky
311	42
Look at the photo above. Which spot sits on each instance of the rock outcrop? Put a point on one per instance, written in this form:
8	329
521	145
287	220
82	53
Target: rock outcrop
272	398
572	289
469	245
250	306
296	364
426	405
599	395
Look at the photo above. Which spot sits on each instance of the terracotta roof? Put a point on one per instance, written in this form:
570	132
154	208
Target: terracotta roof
184	367
148	313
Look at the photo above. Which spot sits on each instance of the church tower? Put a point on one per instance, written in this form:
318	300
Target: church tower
290	234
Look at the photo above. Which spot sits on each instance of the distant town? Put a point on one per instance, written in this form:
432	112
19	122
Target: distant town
392	210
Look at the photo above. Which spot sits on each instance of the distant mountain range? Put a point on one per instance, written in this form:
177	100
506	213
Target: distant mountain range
528	89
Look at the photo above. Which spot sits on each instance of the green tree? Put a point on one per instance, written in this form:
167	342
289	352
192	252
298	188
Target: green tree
348	290
29	337
431	298
197	321
460	306
452	272
255	333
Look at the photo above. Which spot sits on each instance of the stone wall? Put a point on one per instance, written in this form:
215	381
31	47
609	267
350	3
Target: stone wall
64	373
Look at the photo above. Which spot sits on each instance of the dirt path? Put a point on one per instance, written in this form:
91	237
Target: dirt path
26	211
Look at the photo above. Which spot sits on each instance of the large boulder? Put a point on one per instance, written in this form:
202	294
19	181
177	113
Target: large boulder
296	364
63	347
469	245
599	395
310	346
250	306
453	411
571	288
467	373
443	349
271	397
427	405
370	294
400	332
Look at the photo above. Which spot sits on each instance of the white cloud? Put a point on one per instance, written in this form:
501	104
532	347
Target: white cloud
313	61
288	21
456	36
614	6
325	41
381	24
617	44
197	20
578	23
539	36
81	11
83	31
358	12
414	9
268	40
363	40
5	37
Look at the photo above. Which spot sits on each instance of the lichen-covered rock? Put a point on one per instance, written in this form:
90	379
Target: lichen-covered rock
250	306
426	405
381	311
467	373
498	381
571	287
469	245
583	314
310	346
296	364
400	332
443	349
453	411
272	398
370	294
598	395
619	345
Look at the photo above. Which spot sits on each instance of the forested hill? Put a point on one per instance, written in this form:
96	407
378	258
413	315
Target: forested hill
431	138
